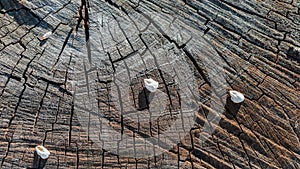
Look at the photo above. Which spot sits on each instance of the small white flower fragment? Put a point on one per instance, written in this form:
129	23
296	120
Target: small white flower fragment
42	152
236	96
46	35
151	84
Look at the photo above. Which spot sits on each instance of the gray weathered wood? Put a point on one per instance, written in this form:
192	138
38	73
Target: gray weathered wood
52	91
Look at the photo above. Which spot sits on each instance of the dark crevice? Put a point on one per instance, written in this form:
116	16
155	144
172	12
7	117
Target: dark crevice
50	81
63	47
206	30
71	121
6	153
116	6
22	14
199	69
63	6
125	57
111	61
40	106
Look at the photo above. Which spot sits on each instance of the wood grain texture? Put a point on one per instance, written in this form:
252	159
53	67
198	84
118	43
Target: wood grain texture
47	88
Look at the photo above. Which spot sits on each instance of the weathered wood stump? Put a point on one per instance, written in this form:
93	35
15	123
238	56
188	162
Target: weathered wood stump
80	93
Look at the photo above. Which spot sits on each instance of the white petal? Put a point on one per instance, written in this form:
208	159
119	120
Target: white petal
236	96
151	84
42	152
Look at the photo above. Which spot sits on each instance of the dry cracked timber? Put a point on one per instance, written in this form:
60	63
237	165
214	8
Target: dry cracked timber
60	92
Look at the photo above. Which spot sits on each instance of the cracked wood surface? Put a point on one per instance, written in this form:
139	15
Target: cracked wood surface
258	43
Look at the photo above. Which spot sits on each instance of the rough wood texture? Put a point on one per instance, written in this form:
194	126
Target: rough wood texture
52	91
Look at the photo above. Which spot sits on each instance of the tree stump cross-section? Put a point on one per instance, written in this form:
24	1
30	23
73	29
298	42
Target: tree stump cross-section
80	93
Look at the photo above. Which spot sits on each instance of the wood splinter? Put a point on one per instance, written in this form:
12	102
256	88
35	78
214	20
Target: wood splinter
42	152
151	84
236	96
46	35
